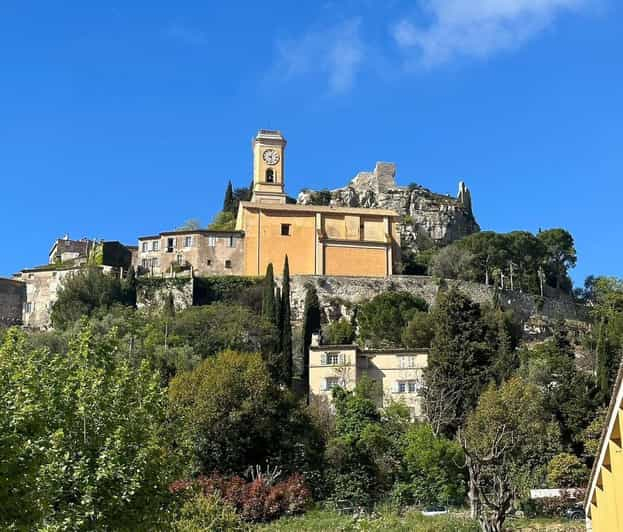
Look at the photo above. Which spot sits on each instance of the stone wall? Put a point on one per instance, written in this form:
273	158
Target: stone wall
338	295
155	291
12	300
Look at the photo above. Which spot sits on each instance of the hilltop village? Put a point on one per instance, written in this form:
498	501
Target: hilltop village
374	302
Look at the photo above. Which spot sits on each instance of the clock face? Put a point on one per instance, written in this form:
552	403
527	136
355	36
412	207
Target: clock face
271	157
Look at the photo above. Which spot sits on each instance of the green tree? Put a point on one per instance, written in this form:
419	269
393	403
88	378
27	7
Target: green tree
82	441
285	324
339	332
419	332
506	441
566	470
459	364
269	311
560	257
229	415
311	325
83	292
129	288
228	202
192	224
433	467
223	221
383	318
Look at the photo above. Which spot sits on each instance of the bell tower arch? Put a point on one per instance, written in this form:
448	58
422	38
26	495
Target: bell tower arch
268	167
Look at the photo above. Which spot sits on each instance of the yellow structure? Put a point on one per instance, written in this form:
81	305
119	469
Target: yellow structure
604	499
318	240
398	372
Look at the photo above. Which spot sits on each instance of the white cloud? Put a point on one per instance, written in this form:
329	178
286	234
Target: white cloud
337	53
476	28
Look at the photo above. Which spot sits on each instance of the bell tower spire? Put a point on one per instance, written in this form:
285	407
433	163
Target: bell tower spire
268	167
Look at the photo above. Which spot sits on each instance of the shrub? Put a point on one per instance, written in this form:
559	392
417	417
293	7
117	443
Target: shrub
339	332
209	512
255	501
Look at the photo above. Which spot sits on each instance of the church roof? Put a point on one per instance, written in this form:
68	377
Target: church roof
318	208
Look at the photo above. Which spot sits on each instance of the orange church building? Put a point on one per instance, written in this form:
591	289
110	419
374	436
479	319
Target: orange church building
318	240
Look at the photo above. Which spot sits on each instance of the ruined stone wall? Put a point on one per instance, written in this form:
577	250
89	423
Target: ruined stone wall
338	295
153	292
12	300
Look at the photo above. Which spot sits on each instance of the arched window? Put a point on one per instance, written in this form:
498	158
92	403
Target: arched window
270	176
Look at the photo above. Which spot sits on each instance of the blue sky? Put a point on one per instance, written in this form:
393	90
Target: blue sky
126	119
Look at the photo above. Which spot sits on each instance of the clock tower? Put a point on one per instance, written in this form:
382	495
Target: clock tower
268	164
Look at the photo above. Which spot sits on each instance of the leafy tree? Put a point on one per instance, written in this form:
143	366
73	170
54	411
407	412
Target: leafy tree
566	471
460	361
560	257
433	467
129	287
383	318
83	292
419	332
223	221
229	415
339	332
228	202
82	438
591	435
451	262
191	224
506	441
311	325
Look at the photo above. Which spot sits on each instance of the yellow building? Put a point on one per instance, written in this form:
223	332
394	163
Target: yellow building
398	372
604	499
318	240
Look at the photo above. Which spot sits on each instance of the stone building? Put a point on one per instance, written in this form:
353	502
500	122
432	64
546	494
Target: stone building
66	258
398	372
201	251
320	240
12	300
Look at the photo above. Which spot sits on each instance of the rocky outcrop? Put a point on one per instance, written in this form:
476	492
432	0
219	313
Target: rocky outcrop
426	218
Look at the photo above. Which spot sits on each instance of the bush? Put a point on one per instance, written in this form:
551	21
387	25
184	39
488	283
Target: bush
255	501
201	512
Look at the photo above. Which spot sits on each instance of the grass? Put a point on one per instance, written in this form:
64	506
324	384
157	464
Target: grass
319	520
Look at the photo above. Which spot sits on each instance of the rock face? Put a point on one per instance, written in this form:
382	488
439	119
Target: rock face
426	219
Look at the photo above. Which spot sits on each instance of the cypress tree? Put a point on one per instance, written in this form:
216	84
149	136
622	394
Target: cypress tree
129	287
311	324
268	297
228	202
286	325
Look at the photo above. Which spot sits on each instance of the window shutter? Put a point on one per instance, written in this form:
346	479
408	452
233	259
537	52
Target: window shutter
395	388
323	359
323	385
342	359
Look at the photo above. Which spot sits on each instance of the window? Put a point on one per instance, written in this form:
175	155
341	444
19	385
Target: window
333	359
155	245
179	258
155	262
29	307
270	176
170	245
209	262
145	248
228	264
330	383
285	229
407	362
231	241
188	241
211	241
410	386
145	263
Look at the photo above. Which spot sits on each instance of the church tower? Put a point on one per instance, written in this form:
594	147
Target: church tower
268	167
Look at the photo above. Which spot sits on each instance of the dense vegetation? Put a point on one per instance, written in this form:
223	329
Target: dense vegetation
161	418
